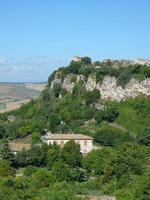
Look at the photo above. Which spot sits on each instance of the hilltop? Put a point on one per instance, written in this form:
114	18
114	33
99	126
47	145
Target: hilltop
89	94
107	100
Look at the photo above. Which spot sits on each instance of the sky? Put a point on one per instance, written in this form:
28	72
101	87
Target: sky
38	36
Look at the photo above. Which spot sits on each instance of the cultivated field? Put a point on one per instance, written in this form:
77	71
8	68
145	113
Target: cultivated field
14	95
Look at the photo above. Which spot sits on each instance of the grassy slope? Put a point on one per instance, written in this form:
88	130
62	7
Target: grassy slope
131	119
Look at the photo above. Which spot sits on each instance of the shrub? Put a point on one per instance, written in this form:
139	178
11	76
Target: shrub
92	96
109	136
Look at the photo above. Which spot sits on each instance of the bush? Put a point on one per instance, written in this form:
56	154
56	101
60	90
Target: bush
92	96
109	136
124	76
86	60
2	131
6	169
74	67
86	71
57	89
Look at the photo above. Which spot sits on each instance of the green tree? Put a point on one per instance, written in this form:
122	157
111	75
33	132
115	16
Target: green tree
6	169
71	154
54	121
86	60
53	155
42	178
97	161
36	156
61	171
74	67
2	131
92	96
5	152
111	112
21	159
57	89
110	136
144	136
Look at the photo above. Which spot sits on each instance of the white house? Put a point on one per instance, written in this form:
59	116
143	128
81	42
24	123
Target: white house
86	142
76	59
141	61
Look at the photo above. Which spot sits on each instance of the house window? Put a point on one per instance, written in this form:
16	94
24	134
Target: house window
85	143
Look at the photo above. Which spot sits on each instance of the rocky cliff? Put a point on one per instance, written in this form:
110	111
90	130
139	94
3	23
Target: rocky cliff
108	87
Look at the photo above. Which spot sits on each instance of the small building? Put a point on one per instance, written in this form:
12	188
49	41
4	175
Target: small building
141	61
16	147
76	59
85	142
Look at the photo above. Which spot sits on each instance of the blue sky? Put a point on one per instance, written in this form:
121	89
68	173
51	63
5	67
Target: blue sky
37	36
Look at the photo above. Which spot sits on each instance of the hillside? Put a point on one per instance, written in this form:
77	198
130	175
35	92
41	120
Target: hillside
106	100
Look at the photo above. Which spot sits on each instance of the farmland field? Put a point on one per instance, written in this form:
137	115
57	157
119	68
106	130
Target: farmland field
14	95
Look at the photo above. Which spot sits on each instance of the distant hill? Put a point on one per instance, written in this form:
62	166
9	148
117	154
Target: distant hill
13	95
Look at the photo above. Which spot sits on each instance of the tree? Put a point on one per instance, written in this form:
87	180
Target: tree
53	121
127	160
21	159
5	152
42	178
144	136
86	71
92	96
61	171
29	170
97	161
57	89
110	136
36	156
45	95
2	131
53	155
36	137
71	154
74	67
86	60
24	131
111	112
6	169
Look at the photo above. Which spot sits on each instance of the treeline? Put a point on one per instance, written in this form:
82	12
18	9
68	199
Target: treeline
54	173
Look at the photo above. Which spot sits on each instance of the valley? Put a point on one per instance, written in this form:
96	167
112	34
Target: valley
14	95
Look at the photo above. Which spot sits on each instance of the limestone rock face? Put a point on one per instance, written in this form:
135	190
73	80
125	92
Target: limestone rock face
57	79
108	88
110	91
68	83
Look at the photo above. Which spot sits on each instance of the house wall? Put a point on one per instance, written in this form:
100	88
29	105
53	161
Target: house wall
141	62
85	145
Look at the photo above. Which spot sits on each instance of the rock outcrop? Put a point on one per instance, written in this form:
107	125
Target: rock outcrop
108	88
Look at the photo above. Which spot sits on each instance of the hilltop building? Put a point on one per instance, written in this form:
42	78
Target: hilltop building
86	142
76	59
141	61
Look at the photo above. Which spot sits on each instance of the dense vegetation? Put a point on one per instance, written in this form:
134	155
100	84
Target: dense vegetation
121	130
